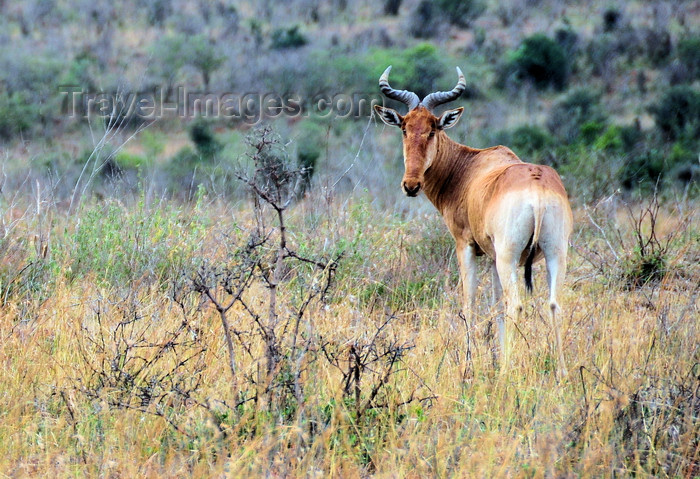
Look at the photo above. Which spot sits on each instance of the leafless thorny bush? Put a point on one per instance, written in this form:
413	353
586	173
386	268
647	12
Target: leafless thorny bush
653	418
371	361
266	259
284	322
269	299
654	425
637	256
140	361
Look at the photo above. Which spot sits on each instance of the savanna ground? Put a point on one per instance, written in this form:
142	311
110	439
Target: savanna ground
204	297
347	354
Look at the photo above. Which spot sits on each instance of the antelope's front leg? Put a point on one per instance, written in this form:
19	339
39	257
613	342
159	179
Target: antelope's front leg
466	256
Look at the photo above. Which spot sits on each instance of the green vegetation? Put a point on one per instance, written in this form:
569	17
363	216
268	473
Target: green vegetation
677	114
461	12
539	60
288	38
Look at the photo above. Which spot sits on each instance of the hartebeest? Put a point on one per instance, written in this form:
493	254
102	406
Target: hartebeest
492	203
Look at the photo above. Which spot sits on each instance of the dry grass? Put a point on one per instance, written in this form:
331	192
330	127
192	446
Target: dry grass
628	407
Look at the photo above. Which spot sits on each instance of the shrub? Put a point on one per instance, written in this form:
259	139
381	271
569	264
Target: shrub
182	170
309	149
611	19
576	109
391	7
157	11
590	131
421	69
130	161
648	259
525	139
689	55
82	71
677	114
425	20
568	40
288	38
632	137
643	169
610	140
657	44
17	115
425	66
540	60
204	139
461	12
601	53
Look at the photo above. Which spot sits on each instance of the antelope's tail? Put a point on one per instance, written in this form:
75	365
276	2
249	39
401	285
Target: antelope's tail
534	240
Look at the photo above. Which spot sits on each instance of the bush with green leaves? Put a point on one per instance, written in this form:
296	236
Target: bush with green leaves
203	54
657	45
539	60
130	161
677	113
421	69
688	51
569	115
204	139
611	19
288	38
17	115
526	140
645	169
461	12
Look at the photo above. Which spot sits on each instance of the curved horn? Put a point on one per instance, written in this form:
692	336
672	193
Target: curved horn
440	97
404	96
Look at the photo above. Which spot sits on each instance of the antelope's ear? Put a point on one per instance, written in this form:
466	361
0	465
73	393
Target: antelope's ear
450	118
388	116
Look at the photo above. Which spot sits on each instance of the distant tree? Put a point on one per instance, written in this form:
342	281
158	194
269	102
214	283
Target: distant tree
202	53
168	60
172	52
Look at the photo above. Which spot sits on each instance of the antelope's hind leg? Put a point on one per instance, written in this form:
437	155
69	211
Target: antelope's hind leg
507	270
556	270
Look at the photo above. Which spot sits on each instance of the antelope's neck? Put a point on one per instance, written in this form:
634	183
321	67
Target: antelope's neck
449	173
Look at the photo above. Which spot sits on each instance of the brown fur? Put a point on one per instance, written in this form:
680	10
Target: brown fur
492	203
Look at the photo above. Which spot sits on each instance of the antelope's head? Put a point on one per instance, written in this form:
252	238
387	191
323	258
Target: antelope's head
421	129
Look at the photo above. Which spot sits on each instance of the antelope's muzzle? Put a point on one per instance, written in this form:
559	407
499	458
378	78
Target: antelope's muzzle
411	187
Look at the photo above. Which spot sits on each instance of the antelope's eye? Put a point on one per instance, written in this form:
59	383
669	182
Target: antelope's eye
431	134
404	131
